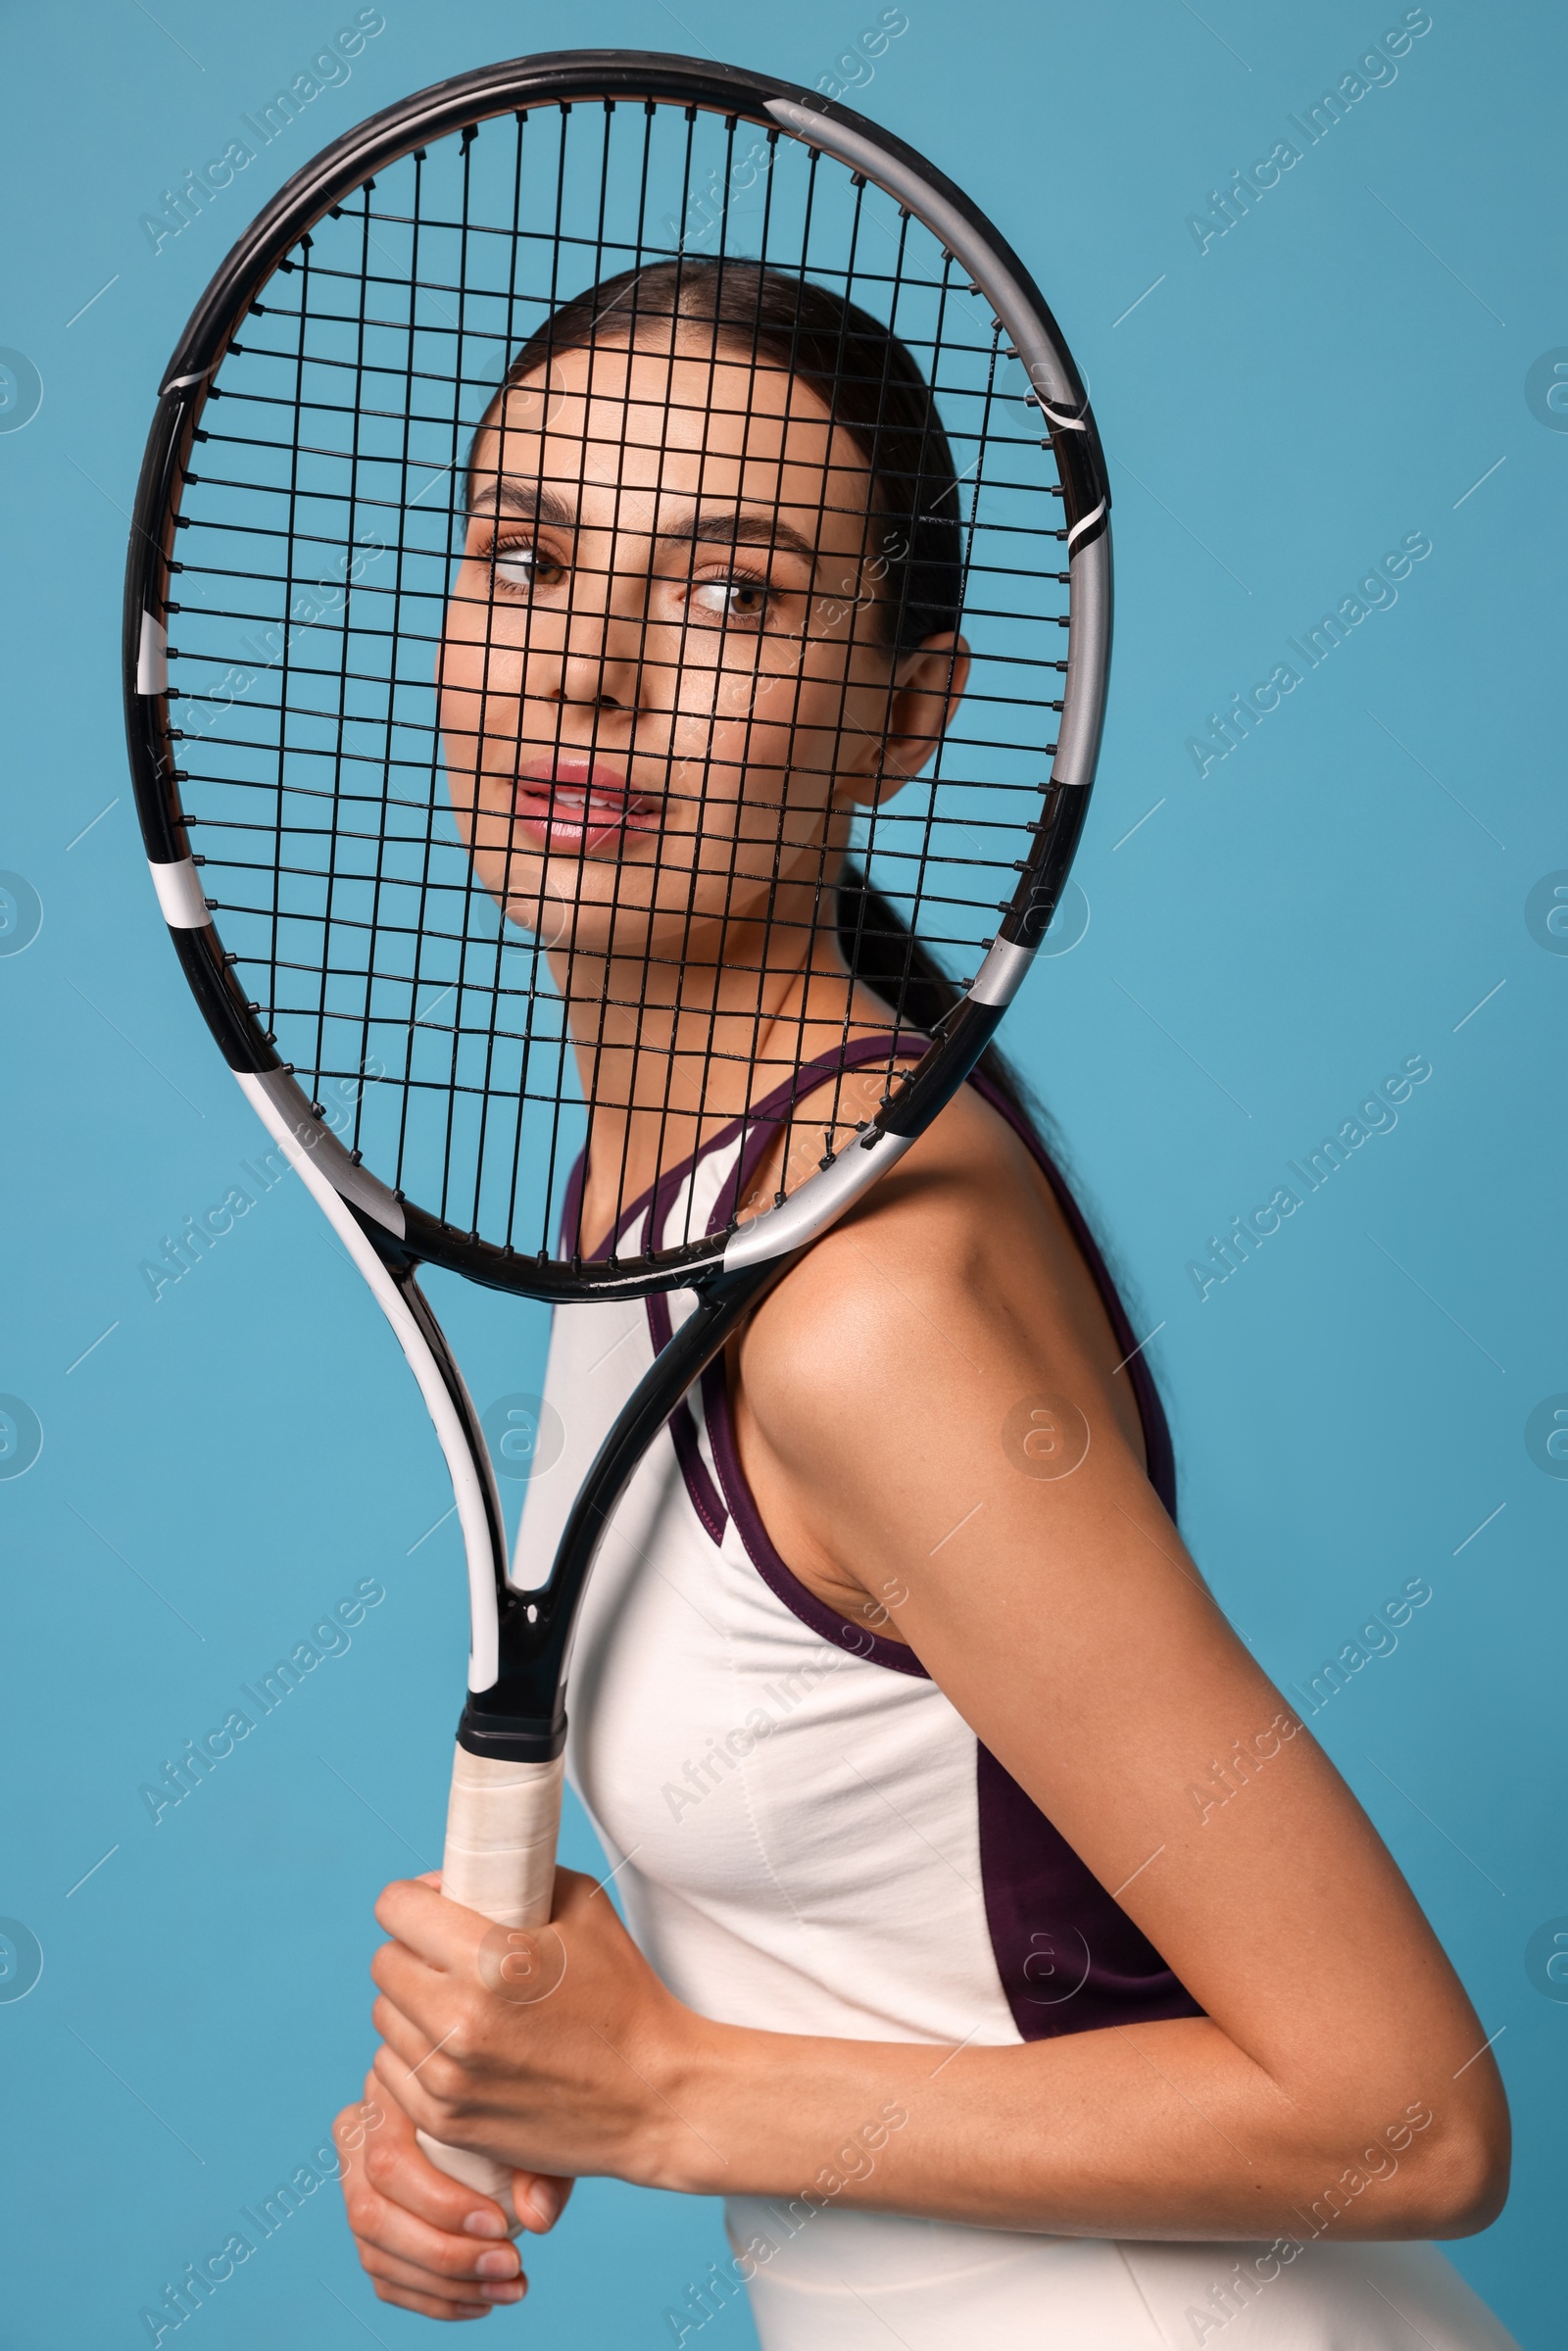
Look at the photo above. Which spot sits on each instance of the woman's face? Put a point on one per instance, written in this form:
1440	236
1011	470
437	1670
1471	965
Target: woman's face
664	682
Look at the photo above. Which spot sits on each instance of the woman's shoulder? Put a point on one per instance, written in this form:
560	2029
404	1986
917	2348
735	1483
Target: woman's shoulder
962	1254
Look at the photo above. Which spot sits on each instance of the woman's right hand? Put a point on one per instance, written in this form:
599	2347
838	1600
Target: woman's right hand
428	2243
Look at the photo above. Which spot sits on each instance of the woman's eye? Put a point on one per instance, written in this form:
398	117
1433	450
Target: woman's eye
520	568
732	600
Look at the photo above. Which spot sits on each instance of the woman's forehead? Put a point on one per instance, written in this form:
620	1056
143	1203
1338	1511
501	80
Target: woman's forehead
676	427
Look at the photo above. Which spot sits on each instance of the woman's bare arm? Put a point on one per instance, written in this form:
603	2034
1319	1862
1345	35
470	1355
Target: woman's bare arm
1066	1623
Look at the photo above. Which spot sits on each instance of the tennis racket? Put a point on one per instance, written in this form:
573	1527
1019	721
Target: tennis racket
402	969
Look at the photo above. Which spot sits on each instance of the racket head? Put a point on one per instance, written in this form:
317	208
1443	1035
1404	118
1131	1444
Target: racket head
298	527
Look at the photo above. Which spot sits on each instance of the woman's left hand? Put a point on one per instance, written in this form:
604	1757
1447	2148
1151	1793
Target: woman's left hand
552	2049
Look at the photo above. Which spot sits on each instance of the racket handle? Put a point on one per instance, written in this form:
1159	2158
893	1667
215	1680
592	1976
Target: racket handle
503	1823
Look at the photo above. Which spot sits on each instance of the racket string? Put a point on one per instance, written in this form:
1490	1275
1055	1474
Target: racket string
321	795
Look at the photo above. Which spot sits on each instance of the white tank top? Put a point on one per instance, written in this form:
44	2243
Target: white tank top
808	1838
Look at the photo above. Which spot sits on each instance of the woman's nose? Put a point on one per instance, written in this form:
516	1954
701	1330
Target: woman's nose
606	656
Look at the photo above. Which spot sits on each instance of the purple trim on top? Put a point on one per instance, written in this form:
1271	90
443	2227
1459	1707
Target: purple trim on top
786	1587
761	1135
758	1117
797	1597
571	1206
1068	1957
888	1046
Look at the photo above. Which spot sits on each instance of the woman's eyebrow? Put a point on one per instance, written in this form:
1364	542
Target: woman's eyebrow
530	498
727	524
735	525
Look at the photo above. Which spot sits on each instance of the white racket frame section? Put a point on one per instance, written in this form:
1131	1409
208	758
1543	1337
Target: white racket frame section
306	1142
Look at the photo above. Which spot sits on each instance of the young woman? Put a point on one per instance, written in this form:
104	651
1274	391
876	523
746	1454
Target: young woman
1002	1947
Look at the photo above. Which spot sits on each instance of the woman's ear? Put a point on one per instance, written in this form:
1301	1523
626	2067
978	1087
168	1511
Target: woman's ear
928	686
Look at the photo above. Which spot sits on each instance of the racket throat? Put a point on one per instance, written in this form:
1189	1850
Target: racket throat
524	1738
521	1718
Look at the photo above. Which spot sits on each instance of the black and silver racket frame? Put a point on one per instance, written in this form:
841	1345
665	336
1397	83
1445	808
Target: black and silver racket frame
521	1638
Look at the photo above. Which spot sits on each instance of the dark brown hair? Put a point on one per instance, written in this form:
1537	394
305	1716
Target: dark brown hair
872	387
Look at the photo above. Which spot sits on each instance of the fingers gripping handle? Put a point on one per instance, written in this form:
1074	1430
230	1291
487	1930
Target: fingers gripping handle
502	1823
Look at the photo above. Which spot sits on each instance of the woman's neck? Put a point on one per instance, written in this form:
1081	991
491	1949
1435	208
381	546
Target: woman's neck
669	1054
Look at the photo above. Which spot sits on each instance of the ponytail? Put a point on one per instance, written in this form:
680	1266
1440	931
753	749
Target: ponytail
885	955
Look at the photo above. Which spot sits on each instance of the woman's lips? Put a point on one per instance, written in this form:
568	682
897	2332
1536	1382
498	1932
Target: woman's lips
577	808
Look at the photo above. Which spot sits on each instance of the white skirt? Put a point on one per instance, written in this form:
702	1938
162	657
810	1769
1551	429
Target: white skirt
870	2282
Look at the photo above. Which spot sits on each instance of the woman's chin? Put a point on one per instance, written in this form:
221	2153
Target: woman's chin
579	926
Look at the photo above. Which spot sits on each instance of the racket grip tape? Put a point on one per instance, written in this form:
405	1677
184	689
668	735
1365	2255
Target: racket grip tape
503	1823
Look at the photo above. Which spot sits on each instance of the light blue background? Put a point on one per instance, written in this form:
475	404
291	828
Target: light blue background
1335	372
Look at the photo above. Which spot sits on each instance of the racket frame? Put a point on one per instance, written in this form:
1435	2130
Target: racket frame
521	1638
